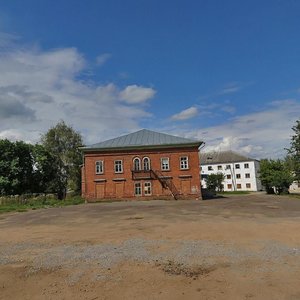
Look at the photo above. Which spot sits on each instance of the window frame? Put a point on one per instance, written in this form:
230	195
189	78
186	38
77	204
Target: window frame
149	163
246	165
101	166
247	175
228	176
238	176
115	166
248	185
237	166
139	164
161	164
149	186
210	168
220	167
184	165
138	188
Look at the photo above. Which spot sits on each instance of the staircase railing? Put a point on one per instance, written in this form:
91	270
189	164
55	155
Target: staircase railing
166	182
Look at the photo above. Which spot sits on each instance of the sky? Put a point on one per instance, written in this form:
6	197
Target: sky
224	72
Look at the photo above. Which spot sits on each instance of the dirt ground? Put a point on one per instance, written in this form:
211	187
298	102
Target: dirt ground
239	247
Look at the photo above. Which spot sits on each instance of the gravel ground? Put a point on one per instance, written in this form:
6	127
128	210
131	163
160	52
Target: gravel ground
187	254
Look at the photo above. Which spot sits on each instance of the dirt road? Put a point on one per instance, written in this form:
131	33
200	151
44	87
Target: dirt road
240	247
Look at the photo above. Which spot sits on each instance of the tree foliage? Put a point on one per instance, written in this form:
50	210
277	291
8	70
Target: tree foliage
63	143
25	168
214	182
294	152
275	175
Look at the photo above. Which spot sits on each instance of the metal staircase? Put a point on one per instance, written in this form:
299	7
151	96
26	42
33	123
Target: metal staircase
166	182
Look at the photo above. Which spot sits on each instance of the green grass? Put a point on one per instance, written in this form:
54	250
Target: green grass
234	193
10	205
295	196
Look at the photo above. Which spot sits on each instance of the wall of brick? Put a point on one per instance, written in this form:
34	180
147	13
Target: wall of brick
121	185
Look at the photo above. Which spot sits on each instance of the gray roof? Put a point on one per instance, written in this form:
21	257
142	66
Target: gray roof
222	157
143	139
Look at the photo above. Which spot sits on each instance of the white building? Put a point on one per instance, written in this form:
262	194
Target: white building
241	172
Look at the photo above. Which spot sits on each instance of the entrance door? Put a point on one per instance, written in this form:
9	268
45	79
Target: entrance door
185	187
100	190
119	189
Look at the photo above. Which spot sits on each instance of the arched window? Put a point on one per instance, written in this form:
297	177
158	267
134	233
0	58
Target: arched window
146	163
136	164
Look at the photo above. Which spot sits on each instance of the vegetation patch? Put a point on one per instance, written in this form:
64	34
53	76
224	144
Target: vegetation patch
22	204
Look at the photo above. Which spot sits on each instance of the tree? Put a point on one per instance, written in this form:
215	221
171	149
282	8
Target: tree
63	143
214	182
294	151
275	175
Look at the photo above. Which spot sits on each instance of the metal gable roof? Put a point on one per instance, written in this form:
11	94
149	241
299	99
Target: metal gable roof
222	157
142	138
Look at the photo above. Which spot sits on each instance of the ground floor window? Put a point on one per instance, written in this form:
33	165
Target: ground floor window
239	186
229	186
147	188
137	189
248	185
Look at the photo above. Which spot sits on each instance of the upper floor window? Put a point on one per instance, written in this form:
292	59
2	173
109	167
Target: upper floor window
210	168
238	176
246	166
228	176
228	167
219	167
118	166
247	175
237	166
146	163
136	164
165	166
99	167
184	163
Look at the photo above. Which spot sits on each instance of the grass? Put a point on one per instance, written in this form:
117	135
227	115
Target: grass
10	205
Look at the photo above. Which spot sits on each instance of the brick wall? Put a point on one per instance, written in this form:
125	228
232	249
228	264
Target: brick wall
111	185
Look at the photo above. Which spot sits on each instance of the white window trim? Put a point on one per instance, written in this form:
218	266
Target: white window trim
161	163
140	167
118	172
149	163
150	184
187	163
102	166
141	189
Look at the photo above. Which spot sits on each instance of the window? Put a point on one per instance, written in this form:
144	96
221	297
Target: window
228	167
238	176
210	168
229	186
165	164
228	176
118	166
239	186
147	188
136	164
184	163
247	175
146	163
237	166
246	166
248	185
99	167
219	167
137	189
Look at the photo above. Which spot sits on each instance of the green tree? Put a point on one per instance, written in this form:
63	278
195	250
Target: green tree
214	182
275	175
63	143
15	167
294	152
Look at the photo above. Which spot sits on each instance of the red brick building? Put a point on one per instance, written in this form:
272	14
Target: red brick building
143	164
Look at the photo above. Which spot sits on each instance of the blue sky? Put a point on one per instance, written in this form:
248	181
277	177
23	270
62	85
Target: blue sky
226	72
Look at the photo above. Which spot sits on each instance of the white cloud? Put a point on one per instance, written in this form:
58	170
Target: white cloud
102	58
39	88
134	94
186	114
260	134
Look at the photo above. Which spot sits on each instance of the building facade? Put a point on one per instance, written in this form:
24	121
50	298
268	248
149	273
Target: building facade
241	173
144	164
